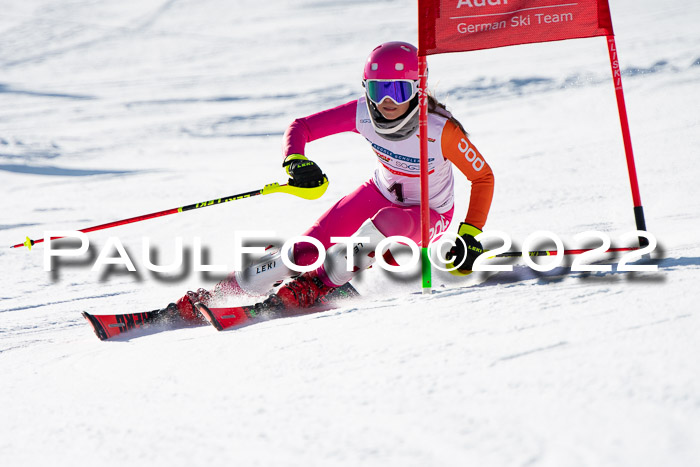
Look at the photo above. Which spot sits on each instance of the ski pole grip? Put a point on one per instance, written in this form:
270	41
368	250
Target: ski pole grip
305	193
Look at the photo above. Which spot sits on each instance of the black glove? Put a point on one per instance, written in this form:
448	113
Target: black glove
303	172
464	259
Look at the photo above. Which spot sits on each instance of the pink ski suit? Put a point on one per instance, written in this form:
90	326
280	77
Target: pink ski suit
392	197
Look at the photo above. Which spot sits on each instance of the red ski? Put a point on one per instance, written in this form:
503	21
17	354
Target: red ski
225	318
108	326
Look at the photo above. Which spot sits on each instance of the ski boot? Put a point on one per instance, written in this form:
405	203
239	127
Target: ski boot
184	308
302	292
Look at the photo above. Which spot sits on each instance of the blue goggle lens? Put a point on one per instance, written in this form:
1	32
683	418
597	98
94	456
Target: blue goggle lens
398	91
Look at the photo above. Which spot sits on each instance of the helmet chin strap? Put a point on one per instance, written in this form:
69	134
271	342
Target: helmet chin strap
390	130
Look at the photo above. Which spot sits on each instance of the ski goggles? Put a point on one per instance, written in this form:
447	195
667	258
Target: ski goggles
399	91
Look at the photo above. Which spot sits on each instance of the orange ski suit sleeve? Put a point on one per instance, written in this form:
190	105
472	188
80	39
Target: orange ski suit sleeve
457	148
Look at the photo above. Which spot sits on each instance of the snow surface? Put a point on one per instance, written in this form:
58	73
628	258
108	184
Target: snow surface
115	109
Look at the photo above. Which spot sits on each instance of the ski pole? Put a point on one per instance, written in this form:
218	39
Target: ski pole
305	193
511	254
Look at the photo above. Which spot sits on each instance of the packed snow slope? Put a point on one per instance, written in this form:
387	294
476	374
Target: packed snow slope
114	109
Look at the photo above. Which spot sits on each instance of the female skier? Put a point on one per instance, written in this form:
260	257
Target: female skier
387	204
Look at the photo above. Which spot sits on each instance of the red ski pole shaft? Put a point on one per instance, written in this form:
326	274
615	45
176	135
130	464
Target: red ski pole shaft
512	254
29	243
306	193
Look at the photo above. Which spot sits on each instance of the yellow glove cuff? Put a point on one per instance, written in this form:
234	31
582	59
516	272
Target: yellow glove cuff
292	157
468	229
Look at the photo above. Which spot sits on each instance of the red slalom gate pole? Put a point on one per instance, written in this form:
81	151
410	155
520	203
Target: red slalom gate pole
426	272
627	139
